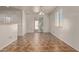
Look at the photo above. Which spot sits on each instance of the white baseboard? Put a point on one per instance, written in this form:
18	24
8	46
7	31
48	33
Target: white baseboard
7	44
64	41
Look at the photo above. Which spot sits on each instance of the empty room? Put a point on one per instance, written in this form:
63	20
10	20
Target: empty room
39	28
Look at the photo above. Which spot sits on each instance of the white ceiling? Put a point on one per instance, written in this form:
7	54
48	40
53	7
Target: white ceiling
28	9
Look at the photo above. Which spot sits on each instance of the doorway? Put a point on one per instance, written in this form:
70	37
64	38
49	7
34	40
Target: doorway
39	24
36	25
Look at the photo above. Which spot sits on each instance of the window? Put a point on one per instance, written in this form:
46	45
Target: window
59	18
36	25
57	21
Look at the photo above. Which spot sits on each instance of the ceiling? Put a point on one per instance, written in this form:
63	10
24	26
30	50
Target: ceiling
29	9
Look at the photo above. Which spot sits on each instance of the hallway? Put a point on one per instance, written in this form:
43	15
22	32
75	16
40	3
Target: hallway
38	42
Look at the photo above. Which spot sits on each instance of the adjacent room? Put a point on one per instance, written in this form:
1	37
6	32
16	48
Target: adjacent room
39	28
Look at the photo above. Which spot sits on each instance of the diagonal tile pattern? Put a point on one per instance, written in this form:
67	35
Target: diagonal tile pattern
38	42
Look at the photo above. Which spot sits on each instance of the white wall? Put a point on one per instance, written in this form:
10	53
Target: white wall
8	34
29	23
70	30
23	23
15	16
46	23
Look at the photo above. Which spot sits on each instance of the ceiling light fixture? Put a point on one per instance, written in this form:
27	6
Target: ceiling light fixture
41	13
36	9
39	10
